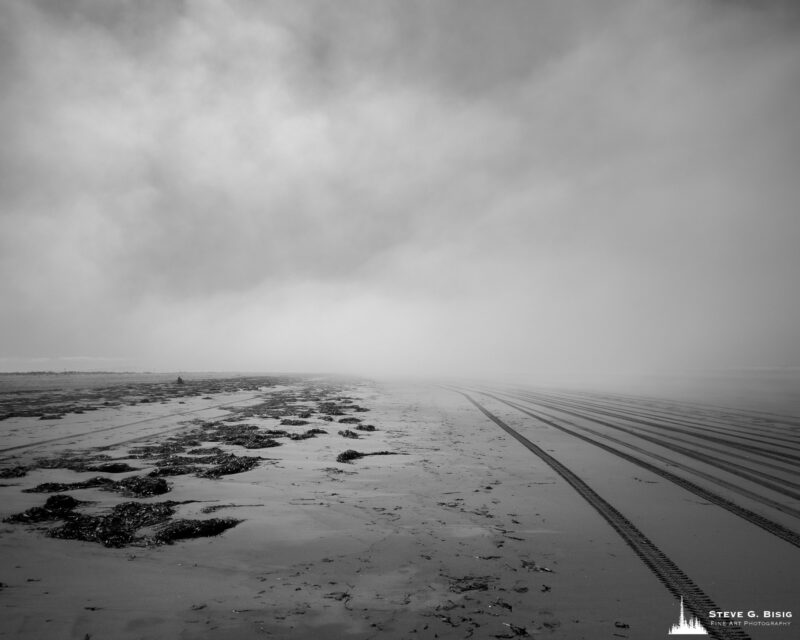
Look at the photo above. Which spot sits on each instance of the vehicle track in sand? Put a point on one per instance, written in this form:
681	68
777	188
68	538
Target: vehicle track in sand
93	432
777	484
697	430
768	525
730	427
677	582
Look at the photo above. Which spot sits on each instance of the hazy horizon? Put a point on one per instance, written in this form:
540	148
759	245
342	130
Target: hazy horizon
386	187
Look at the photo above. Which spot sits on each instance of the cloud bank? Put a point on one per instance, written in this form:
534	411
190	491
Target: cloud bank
412	187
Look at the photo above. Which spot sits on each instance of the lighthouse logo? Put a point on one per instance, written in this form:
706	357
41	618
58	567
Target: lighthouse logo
687	626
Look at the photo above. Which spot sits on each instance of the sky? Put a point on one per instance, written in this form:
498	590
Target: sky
378	186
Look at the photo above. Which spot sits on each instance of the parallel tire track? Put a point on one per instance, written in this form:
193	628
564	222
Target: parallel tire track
694	433
39	443
727	429
765	480
668	573
770	526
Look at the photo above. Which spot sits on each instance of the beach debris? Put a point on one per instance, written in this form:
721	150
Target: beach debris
232	464
116	529
140	486
311	433
348	434
56	507
58	487
253	441
158	450
217	507
135	486
621	625
469	583
350	420
208	451
179	381
112	467
365	427
331	409
70	461
545	588
292	422
500	603
531	565
175	470
351	454
14	472
185	529
516	632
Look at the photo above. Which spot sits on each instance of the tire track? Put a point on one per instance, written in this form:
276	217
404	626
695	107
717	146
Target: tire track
40	443
770	526
771	454
765	480
677	582
739	431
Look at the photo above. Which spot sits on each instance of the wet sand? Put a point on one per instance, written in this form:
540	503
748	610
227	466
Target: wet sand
459	533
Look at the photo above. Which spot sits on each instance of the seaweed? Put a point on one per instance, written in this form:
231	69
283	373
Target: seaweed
57	487
347	456
469	583
290	422
349	434
174	470
14	472
183	529
136	486
350	420
112	467
366	427
311	433
233	464
141	486
56	507
118	528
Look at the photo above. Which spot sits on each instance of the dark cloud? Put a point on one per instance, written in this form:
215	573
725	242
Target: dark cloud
400	185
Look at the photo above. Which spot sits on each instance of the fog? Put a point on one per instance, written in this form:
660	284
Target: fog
461	188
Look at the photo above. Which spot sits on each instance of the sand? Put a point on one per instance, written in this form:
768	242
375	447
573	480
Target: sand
459	533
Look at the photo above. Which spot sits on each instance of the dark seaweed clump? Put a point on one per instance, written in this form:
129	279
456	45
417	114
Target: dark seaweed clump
135	486
182	529
118	528
112	467
350	420
351	454
57	487
57	507
311	433
291	422
348	434
141	486
72	462
366	427
243	435
14	472
175	470
233	464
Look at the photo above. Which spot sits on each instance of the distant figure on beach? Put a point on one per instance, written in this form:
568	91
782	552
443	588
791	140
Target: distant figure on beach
179	380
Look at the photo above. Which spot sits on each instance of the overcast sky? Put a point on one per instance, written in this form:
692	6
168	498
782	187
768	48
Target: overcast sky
399	186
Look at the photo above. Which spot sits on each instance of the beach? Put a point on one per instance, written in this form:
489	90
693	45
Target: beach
439	525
